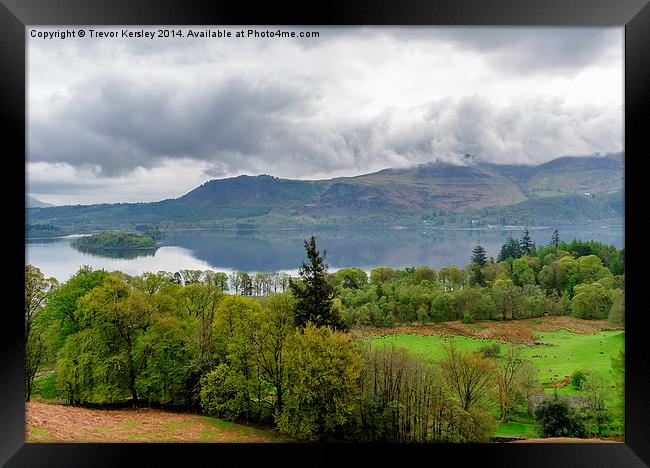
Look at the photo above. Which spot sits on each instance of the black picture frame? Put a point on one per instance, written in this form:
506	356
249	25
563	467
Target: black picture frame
15	15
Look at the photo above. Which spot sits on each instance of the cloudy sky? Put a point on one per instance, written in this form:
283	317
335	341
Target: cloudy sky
124	120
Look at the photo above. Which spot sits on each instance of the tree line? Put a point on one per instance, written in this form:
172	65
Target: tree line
583	279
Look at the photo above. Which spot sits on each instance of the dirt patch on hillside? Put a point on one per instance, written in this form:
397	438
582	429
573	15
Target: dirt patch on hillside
62	423
513	331
557	323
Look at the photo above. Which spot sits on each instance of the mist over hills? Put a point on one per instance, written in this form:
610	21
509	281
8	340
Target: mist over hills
570	189
32	202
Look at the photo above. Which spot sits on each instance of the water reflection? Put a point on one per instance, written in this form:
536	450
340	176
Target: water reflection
282	250
117	253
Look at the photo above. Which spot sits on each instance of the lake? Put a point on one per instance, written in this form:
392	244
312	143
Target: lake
283	250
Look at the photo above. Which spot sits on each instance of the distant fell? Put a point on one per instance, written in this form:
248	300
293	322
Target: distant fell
387	194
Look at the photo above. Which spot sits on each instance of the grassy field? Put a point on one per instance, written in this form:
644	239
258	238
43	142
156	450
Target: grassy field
61	423
557	354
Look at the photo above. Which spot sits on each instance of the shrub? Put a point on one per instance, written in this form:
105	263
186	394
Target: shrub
491	351
577	379
467	318
556	418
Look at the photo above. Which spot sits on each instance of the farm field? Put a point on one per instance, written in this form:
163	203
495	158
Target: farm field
557	346
61	423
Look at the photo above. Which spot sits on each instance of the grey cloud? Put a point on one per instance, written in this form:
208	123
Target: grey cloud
118	126
525	50
239	127
529	132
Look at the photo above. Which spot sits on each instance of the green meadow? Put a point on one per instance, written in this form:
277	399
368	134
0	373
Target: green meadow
555	354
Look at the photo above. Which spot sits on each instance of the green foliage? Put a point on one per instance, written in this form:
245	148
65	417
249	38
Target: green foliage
598	410
37	290
178	340
556	418
404	399
492	350
323	366
61	309
578	378
525	243
115	241
479	256
225	393
591	301
314	294
98	364
510	249
469	376
424	273
165	349
522	273
618	372
617	311
555	239
350	278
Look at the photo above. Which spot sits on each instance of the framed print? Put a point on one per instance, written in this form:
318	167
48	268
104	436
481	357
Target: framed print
378	230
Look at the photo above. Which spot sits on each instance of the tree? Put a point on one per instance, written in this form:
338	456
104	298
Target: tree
276	325
216	278
507	298
522	273
424	273
556	418
479	256
235	281
555	239
351	278
191	276
112	317
591	301
525	243
166	377
225	393
153	283
470	376
323	367
590	269
314	293
596	391
200	301
510	249
528	383
62	304
37	290
507	373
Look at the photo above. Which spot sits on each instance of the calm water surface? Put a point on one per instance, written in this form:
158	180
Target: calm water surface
282	250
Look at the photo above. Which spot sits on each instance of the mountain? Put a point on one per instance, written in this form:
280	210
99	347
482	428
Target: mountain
383	197
35	203
425	187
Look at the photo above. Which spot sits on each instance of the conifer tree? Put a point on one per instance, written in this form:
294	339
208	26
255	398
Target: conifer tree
555	239
479	256
509	249
525	243
314	294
